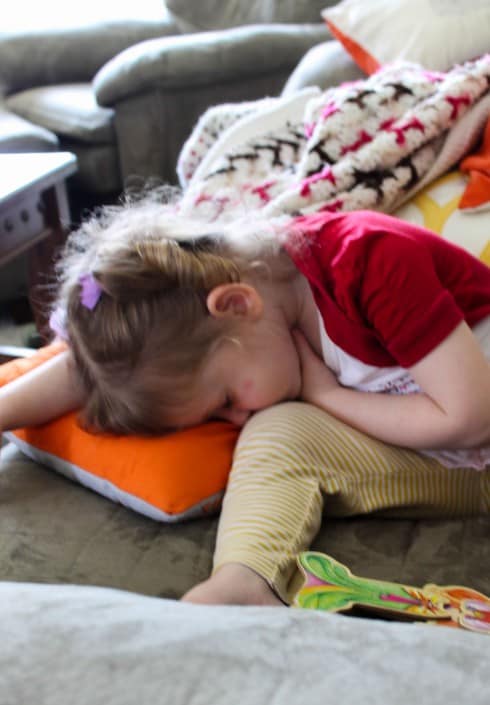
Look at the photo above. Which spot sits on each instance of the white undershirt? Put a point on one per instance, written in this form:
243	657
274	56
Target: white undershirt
353	373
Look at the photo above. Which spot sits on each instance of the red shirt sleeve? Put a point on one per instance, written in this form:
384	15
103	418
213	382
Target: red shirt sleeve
403	299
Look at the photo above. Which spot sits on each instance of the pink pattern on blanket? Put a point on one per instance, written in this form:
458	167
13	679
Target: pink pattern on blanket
364	138
413	124
456	102
309	129
325	174
333	206
433	76
261	190
330	109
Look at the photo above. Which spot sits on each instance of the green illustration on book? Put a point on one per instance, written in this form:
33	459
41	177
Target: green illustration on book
330	585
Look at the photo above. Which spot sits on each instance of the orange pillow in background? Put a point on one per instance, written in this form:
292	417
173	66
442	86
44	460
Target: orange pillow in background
169	478
477	166
363	58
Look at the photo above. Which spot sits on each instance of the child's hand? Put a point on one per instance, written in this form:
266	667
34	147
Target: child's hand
317	380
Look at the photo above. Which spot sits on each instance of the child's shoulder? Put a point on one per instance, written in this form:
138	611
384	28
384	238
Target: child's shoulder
358	230
362	242
363	221
352	230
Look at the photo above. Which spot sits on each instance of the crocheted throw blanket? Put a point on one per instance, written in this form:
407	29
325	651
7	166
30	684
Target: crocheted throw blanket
368	144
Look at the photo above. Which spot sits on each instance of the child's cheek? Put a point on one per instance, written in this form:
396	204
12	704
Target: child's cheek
257	394
247	392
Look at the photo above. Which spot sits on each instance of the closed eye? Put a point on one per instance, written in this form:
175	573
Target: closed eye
228	402
226	405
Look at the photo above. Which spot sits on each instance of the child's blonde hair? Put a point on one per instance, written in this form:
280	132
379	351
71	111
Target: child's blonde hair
141	348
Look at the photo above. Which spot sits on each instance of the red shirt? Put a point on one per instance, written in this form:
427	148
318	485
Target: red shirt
388	291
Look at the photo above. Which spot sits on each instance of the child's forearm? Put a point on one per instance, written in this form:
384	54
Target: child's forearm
452	412
412	420
42	394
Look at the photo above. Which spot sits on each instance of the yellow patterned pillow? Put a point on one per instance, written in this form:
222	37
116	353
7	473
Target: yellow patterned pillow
436	207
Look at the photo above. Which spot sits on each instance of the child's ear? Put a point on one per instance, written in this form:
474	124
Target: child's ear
235	300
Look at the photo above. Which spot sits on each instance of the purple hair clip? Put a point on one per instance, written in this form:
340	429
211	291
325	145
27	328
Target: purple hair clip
89	296
91	291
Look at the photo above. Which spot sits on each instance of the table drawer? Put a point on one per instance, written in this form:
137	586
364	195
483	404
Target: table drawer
20	225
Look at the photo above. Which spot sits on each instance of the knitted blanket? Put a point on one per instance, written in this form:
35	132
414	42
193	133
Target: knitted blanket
368	144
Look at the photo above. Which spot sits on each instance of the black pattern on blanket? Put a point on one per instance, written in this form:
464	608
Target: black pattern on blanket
365	144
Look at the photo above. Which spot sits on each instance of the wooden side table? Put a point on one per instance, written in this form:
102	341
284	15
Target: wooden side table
34	216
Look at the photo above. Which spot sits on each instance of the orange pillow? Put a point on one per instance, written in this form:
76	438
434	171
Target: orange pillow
169	478
477	166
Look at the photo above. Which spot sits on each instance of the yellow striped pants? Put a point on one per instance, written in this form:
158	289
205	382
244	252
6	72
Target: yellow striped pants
293	461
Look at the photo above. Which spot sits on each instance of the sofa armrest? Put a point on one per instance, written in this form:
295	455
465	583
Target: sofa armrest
204	58
43	57
324	65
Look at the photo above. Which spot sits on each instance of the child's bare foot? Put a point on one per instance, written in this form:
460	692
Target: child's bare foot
233	584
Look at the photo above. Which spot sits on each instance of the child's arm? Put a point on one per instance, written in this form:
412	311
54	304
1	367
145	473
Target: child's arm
44	393
453	411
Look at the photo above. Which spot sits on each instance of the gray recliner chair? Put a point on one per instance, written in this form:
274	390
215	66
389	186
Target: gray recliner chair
123	97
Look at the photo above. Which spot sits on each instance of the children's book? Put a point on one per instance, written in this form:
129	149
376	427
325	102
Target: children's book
330	585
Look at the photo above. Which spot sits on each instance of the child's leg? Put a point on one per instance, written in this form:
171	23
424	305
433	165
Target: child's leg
287	458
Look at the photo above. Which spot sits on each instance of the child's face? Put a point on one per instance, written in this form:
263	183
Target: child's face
262	370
